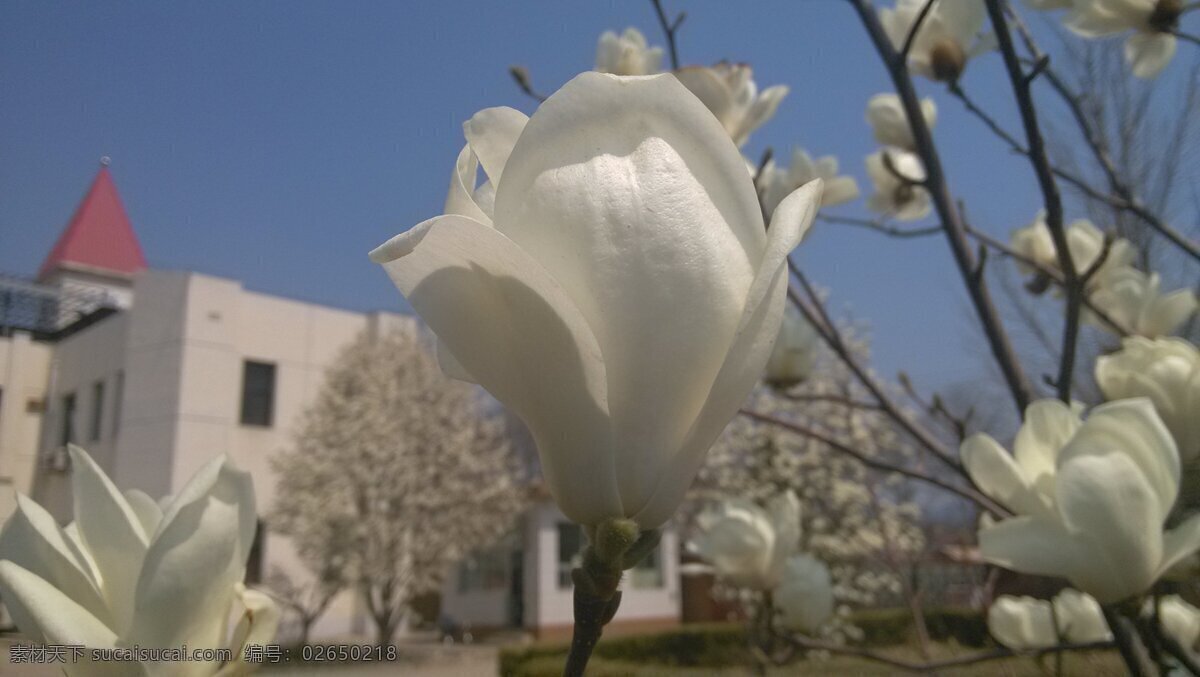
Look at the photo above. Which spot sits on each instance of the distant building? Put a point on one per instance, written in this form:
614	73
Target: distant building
155	372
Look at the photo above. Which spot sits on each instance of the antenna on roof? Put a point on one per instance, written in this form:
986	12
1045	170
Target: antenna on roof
105	161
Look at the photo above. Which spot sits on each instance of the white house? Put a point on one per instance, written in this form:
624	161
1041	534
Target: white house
154	372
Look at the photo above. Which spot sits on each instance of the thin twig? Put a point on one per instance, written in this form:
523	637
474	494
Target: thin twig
521	75
970	494
1130	645
998	339
1187	37
914	29
669	29
1072	284
827	397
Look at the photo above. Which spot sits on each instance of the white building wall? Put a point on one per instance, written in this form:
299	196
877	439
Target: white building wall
24	373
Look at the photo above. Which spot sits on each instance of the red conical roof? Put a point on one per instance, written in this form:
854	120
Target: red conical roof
99	236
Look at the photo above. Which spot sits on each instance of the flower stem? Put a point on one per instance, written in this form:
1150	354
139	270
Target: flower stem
615	545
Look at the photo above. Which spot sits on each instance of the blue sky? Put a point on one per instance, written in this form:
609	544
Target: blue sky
276	143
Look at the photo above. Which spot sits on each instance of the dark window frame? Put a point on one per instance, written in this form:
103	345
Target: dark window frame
67	427
96	424
258	393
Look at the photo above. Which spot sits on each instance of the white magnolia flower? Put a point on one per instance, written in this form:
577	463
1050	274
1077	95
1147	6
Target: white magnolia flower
1024	481
775	183
1080	618
748	546
127	572
1024	623
1115	482
1180	619
729	91
951	34
805	595
794	355
890	125
1152	45
1132	299
1166	370
627	54
894	196
624	296
1085	242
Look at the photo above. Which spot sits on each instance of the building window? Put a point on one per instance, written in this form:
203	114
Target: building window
258	393
254	563
648	573
67	433
570	552
97	411
118	393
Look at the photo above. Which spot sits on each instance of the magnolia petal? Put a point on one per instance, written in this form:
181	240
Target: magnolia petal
1033	545
636	167
1180	543
196	559
997	475
1109	505
1169	311
762	110
256	626
32	540
1080	618
45	614
461	198
707	86
1021	623
757	331
1149	53
492	133
1131	430
521	337
1049	425
839	190
111	532
146	509
450	365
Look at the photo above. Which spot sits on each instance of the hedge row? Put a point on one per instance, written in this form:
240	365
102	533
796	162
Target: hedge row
723	645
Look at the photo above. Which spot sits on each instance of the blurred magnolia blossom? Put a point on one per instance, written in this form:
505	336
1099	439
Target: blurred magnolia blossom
889	123
748	545
1133	300
776	183
895	174
805	594
1165	370
128	572
1150	48
951	34
1024	623
1115	481
794	355
1179	619
729	91
627	54
622	294
1085	242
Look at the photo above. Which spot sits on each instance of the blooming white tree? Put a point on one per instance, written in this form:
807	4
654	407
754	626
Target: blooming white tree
394	475
129	573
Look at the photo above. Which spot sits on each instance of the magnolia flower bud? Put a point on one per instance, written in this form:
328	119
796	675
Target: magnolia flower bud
775	183
1024	623
1168	372
805	595
627	54
729	91
894	173
1150	48
950	35
1134	301
794	355
127	572
621	295
889	123
747	545
1098	520
1180	619
947	60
